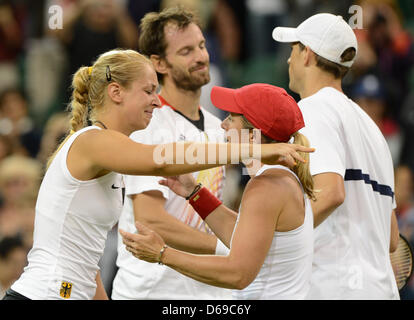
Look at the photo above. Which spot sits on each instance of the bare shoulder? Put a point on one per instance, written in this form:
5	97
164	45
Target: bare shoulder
276	178
78	160
86	138
91	150
85	143
101	141
277	192
100	134
267	194
269	183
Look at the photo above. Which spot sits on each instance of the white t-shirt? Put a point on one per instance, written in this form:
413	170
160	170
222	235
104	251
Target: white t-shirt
138	279
286	270
351	249
72	221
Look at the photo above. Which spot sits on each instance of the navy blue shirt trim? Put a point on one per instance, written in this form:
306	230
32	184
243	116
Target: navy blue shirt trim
356	175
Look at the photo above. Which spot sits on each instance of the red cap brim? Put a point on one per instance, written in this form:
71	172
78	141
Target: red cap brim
224	99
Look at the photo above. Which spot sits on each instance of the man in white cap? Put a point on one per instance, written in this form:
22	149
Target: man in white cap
354	216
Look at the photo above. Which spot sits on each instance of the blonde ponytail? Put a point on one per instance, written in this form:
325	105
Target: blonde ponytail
78	106
302	169
80	99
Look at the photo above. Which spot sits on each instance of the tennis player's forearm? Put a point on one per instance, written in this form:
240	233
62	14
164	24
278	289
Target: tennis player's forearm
149	209
179	158
179	235
213	270
222	222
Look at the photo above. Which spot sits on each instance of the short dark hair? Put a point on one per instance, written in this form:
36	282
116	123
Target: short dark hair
152	37
333	68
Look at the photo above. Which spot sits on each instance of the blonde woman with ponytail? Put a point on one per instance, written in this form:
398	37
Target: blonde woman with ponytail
80	198
271	239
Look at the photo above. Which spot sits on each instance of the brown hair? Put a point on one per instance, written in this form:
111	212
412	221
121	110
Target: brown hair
89	84
301	169
333	68
152	37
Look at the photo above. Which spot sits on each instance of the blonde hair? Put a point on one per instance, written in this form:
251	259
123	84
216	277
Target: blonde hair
89	85
19	166
301	169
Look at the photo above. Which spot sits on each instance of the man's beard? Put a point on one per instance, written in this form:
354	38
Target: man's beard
190	81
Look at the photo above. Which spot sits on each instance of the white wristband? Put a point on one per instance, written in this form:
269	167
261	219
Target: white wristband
221	249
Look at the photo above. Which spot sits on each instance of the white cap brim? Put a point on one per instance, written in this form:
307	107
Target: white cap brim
283	34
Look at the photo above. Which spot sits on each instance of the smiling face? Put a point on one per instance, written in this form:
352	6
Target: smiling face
186	57
233	126
140	99
239	130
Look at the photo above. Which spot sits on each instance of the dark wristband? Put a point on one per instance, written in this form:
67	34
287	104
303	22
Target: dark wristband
196	189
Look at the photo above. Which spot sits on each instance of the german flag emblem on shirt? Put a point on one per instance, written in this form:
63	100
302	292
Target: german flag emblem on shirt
65	289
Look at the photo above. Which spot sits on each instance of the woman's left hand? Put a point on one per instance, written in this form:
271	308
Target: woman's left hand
146	245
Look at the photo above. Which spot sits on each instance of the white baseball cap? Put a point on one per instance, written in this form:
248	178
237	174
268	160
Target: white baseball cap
326	34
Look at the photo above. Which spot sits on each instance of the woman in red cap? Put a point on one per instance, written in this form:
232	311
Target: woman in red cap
271	239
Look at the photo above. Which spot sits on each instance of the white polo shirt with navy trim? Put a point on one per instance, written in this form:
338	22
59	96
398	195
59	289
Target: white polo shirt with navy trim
351	247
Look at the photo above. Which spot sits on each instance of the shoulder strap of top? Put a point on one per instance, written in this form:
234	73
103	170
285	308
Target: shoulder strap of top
267	167
78	133
308	208
65	148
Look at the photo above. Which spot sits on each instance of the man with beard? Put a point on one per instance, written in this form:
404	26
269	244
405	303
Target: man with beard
173	40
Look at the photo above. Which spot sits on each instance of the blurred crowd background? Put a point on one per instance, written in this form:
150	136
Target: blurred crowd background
37	61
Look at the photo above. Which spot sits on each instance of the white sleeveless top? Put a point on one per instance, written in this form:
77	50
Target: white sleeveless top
286	271
72	220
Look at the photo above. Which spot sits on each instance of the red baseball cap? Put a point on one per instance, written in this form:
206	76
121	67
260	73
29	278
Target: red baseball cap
269	108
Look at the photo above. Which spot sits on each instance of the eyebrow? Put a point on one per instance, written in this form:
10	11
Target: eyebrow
190	47
185	48
150	86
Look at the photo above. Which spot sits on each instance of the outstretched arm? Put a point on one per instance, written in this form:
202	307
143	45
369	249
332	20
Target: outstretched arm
111	150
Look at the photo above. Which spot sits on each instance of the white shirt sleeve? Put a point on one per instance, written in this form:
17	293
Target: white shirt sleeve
138	184
324	134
